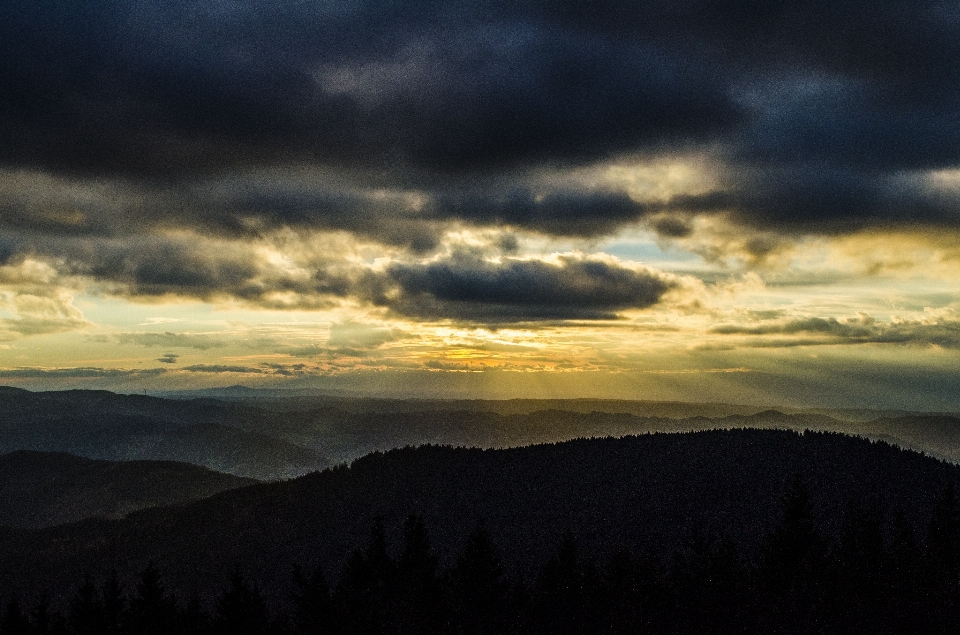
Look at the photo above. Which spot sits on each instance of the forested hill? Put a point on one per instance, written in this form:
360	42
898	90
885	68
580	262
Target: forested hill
639	493
39	489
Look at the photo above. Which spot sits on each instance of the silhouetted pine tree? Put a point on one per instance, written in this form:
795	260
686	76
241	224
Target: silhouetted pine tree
153	611
363	596
114	605
43	621
86	614
568	594
15	621
241	610
860	597
419	601
193	620
904	580
312	605
792	577
942	562
709	586
480	592
636	600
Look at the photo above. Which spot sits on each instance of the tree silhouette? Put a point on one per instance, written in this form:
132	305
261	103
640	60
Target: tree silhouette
114	605
153	610
793	574
241	610
568	594
942	560
86	615
363	594
312	605
43	621
480	590
636	595
708	581
861	562
418	592
14	620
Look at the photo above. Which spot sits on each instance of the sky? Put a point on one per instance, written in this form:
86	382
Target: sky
700	200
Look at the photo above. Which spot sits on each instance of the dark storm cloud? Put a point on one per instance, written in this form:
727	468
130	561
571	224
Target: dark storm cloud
821	111
128	87
168	358
568	213
470	289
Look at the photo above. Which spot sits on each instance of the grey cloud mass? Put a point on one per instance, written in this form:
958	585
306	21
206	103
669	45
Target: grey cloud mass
468	288
943	332
164	149
826	116
171	340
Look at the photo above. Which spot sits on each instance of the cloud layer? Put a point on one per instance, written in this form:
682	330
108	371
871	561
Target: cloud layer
572	287
397	160
166	115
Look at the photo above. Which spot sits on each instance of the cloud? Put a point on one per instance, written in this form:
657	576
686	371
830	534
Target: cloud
168	358
149	117
78	373
466	287
221	368
285	370
357	335
942	331
448	88
38	311
171	340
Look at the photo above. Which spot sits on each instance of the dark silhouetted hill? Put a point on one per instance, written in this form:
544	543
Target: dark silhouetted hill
39	489
646	492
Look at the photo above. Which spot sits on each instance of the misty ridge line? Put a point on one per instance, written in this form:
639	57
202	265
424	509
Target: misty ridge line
268	438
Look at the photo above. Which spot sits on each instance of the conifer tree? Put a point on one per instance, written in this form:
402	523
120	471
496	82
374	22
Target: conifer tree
418	591
14	620
312	605
152	609
480	590
241	610
86	615
114	605
364	593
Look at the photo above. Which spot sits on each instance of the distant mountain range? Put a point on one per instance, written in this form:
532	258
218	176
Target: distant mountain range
260	435
104	425
646	492
40	489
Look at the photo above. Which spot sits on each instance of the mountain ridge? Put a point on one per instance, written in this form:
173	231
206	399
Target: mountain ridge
39	489
639	492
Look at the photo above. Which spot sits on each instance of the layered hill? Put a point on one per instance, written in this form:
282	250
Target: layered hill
270	439
646	492
104	425
40	489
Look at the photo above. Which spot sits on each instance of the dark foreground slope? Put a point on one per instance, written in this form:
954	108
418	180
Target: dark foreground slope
636	492
40	489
